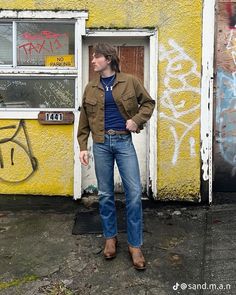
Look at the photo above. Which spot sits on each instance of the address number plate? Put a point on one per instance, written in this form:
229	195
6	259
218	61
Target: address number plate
56	117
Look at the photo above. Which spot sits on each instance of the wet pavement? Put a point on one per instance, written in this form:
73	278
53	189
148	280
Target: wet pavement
189	249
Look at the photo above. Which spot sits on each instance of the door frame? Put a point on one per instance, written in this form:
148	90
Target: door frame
152	35
207	84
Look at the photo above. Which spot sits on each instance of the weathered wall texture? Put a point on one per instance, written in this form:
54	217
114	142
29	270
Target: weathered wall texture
180	27
35	159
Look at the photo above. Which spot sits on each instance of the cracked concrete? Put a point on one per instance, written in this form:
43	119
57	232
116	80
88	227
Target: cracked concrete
39	255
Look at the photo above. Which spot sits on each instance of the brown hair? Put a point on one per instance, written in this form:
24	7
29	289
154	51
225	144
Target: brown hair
109	52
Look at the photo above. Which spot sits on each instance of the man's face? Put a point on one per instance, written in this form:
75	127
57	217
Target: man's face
100	63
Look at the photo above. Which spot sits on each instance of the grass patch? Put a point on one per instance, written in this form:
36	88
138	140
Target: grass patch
57	288
17	282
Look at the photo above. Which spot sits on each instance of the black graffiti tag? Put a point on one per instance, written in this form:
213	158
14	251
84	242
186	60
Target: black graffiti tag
27	149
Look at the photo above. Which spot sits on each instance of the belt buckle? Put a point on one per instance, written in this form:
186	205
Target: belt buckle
111	132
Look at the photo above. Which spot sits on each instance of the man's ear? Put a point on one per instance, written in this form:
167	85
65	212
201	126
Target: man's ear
109	59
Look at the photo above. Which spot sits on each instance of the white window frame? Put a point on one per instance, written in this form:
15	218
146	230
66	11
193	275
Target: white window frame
75	17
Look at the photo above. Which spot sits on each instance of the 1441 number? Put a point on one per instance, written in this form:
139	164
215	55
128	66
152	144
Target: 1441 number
54	116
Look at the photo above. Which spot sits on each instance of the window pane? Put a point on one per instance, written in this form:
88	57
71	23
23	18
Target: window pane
40	43
5	44
37	93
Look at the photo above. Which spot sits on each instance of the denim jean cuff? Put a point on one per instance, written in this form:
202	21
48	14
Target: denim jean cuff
110	237
135	246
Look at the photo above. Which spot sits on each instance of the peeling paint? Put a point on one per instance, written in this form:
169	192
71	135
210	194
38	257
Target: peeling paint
208	42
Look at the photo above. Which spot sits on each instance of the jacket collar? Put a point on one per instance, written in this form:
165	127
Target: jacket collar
120	77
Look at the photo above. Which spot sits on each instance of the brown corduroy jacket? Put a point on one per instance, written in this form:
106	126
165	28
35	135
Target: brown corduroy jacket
132	99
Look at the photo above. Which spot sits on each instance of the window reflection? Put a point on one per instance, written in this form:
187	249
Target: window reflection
37	93
5	44
38	43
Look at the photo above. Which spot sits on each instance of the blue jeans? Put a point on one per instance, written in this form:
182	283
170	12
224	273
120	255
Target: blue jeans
119	148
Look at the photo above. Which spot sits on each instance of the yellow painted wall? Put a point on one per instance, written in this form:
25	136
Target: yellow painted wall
180	26
37	159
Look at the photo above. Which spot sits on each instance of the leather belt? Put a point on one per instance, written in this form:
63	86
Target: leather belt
113	132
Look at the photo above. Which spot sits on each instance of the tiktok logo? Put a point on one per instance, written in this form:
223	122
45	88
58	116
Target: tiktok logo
176	286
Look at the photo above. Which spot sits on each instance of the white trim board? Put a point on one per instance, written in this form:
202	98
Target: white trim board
119	33
208	33
153	121
79	31
42	14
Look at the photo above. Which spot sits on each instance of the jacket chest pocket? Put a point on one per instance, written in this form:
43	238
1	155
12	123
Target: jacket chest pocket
129	102
90	106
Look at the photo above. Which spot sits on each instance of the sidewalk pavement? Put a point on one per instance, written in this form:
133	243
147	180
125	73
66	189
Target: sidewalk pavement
189	249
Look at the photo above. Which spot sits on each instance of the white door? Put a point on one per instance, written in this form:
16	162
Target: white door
134	56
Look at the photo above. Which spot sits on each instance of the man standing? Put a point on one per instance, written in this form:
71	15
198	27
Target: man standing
113	106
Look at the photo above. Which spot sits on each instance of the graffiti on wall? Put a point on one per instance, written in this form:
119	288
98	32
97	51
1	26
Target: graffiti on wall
231	14
226	117
226	96
32	48
224	145
180	97
17	162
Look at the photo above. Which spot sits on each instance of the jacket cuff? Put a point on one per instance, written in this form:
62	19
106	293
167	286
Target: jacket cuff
83	147
137	120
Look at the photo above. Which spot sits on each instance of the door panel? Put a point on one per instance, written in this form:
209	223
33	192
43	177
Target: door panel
131	61
134	59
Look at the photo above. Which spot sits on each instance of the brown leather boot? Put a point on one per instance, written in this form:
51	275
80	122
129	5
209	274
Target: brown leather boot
137	257
110	248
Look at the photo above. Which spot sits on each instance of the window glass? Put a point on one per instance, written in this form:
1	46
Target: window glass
5	44
37	93
45	44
